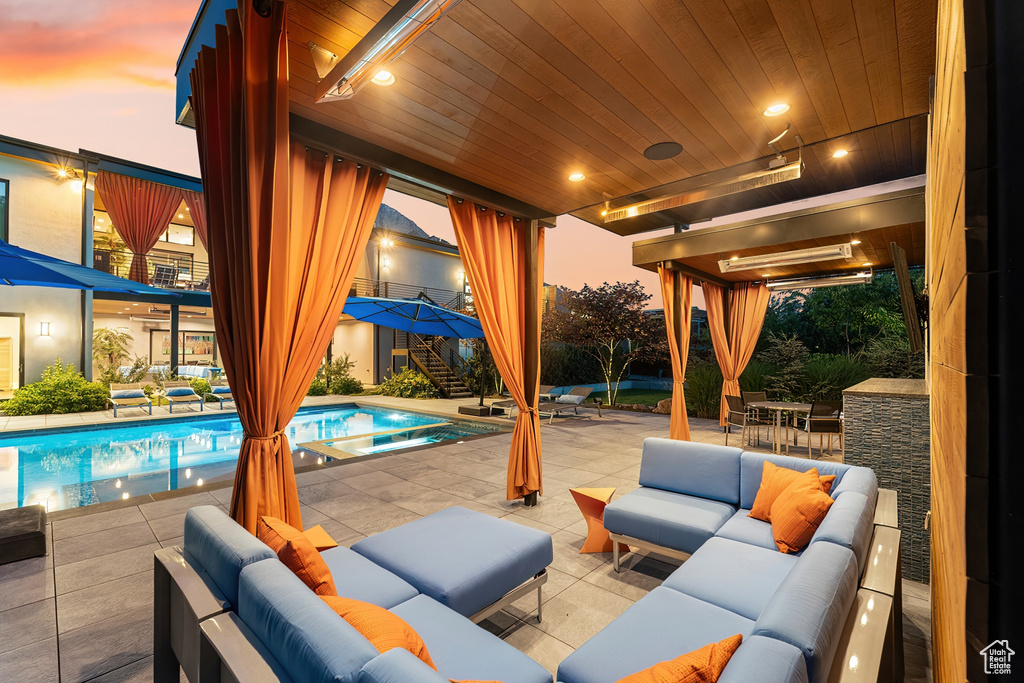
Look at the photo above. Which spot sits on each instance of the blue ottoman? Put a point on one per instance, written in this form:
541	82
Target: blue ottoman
472	563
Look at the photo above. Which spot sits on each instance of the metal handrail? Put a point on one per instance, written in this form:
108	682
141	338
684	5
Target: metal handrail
453	299
166	272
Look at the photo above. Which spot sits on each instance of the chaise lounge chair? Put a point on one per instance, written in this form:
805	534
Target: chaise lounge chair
129	396
573	400
180	391
219	391
509	406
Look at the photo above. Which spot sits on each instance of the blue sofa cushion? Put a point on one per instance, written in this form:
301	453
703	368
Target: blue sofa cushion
752	465
398	666
735	576
765	659
462	650
809	609
359	579
461	558
859	480
745	529
690	467
661	626
849	523
128	393
673	520
221	547
310	641
180	391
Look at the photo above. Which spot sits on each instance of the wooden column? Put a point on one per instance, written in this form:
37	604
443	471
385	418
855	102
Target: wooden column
531	364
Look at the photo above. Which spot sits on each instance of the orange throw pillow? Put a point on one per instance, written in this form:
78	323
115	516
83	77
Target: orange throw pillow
798	511
298	554
384	630
774	480
700	666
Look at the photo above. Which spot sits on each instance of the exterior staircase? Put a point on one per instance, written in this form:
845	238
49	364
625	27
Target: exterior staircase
436	359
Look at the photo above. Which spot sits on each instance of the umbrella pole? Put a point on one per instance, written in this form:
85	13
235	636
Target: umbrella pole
483	374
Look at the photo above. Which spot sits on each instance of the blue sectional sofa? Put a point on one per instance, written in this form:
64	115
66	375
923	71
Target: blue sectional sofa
270	615
791	608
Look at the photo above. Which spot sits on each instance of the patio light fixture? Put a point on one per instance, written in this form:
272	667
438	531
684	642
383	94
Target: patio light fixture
839	154
576	176
777	109
44	329
384	78
786	258
861	278
384	43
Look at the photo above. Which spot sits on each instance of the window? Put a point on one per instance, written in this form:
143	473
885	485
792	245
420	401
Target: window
4	187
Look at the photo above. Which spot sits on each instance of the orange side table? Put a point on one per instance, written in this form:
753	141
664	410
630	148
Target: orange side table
591	503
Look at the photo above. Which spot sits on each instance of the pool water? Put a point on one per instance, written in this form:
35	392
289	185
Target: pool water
71	468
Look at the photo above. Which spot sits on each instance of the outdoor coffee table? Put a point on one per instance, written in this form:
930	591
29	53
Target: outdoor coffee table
471	562
780	407
591	503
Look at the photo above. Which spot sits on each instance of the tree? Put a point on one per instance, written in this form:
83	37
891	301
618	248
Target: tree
609	324
110	346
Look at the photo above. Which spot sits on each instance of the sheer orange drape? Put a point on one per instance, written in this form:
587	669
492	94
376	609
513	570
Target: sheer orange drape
140	211
748	302
197	210
677	326
286	227
494	251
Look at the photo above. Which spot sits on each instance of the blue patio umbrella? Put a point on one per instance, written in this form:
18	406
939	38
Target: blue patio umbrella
413	315
21	267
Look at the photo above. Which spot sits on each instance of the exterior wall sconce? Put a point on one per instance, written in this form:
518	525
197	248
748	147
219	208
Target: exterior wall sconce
44	329
385	262
461	276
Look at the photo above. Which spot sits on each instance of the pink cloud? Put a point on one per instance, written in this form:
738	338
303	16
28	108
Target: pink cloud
55	44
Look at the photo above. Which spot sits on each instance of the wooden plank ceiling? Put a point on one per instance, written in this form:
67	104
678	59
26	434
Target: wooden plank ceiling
515	95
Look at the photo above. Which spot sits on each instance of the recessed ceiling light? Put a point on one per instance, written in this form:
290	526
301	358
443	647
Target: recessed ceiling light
839	154
576	177
384	78
186	208
869	263
735	258
181	215
766	274
605	212
663	150
777	109
854	241
99	220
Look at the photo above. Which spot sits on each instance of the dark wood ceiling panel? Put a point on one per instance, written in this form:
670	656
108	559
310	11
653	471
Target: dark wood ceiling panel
516	94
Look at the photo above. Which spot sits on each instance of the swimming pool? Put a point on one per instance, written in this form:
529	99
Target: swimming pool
71	468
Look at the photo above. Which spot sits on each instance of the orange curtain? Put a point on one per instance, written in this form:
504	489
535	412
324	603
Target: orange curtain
140	211
748	302
286	227
494	251
197	209
678	344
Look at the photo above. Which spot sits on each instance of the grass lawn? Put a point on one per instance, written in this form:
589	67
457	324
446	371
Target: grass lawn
648	397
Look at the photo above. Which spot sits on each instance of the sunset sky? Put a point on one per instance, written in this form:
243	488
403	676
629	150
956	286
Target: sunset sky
99	75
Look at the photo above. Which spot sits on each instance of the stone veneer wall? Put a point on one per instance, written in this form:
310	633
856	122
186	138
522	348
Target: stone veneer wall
887	429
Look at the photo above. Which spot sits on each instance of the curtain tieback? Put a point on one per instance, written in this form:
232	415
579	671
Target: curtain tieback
679	382
247	435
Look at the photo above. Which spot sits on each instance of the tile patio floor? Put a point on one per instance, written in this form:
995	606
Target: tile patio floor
83	612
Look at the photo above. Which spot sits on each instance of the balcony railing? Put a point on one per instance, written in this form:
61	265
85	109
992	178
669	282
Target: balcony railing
449	298
165	271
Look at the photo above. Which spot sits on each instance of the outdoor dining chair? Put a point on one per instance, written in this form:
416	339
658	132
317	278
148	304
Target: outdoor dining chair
760	416
825	418
745	418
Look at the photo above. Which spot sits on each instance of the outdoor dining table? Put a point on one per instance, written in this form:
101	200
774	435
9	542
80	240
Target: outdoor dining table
780	407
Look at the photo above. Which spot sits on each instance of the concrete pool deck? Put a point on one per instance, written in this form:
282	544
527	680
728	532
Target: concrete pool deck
84	612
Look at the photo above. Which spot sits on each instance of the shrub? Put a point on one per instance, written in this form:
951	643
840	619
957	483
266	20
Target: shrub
890	356
825	376
112	374
318	387
407	384
788	355
703	390
756	375
473	371
199	385
338	377
567	365
62	389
